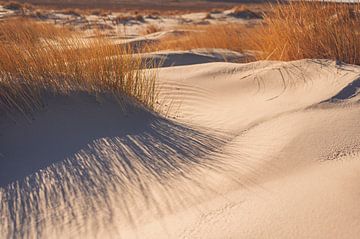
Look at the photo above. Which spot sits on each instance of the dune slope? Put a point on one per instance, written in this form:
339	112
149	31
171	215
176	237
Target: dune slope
257	150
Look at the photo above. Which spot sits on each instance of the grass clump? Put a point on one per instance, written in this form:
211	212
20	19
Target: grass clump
34	62
208	16
124	19
22	32
243	12
151	28
289	31
225	36
72	12
100	12
299	30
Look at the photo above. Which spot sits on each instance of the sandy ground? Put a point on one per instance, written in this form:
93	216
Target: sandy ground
256	150
235	150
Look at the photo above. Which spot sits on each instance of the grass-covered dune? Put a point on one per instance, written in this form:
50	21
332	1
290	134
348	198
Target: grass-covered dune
39	57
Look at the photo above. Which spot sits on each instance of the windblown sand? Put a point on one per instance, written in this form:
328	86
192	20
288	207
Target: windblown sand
257	150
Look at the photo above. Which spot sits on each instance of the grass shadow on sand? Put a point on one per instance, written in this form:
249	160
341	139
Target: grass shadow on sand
82	154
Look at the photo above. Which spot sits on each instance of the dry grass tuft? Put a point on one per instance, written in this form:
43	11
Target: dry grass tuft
243	12
299	30
100	12
139	18
290	31
38	58
151	28
208	16
73	12
21	31
225	36
124	19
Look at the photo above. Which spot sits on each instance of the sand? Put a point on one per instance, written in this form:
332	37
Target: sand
238	150
171	58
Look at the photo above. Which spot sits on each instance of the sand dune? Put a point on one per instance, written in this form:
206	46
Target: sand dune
195	56
257	150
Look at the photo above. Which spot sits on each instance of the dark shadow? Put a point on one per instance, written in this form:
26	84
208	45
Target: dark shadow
86	152
66	125
192	58
348	92
183	59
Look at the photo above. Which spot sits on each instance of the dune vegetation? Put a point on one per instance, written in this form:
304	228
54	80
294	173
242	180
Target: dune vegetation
225	36
288	31
299	30
38	57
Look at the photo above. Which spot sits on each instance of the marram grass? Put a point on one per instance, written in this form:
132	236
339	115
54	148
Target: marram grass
310	29
39	57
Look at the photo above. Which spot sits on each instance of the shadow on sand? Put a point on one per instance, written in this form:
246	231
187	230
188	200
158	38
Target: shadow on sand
83	154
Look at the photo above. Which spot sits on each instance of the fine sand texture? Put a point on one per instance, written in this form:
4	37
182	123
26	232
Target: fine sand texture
236	150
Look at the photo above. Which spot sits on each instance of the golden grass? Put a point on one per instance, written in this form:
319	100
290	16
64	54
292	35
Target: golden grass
37	58
289	31
299	30
22	31
100	12
73	11
243	11
208	16
225	36
151	28
123	19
